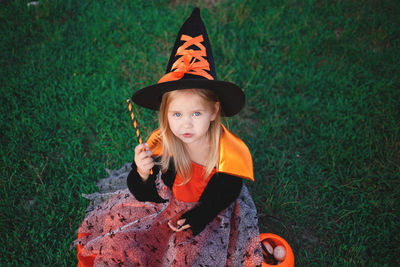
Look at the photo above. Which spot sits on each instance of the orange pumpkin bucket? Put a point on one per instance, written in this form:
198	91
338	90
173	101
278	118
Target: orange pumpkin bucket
275	241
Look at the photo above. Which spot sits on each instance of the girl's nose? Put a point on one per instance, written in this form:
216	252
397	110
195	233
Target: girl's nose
187	123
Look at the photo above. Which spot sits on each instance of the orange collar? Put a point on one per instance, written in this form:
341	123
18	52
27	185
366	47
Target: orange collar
234	156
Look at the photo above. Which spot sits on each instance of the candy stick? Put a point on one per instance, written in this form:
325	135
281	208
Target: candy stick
135	125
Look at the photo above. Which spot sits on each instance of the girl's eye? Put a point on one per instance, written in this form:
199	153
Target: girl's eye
177	115
196	114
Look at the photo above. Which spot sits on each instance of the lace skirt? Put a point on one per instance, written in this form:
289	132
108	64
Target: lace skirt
122	231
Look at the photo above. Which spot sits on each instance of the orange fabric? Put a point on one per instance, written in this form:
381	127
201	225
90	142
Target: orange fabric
155	143
234	156
192	190
84	261
191	61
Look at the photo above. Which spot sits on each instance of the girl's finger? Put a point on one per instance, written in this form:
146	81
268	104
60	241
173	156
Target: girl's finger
147	161
144	155
139	148
184	227
172	227
179	225
181	222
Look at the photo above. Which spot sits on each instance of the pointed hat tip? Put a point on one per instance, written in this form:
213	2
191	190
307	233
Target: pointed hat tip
196	12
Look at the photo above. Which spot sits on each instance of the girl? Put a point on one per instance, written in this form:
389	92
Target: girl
187	204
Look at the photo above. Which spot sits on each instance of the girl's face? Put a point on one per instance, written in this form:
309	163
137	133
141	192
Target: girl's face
189	117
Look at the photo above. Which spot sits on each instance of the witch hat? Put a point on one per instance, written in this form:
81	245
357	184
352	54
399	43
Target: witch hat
191	66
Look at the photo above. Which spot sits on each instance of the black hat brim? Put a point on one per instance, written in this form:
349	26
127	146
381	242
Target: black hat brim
230	95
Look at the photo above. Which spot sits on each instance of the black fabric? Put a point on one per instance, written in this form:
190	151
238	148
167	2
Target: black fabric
169	176
220	192
144	191
147	191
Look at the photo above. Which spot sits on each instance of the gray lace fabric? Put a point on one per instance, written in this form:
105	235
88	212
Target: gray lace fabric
123	231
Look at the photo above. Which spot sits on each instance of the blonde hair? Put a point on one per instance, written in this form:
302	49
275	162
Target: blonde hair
173	146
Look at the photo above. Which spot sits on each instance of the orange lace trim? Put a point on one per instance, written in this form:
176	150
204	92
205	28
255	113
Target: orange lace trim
191	61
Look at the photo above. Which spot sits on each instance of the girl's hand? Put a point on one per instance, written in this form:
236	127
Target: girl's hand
143	160
179	226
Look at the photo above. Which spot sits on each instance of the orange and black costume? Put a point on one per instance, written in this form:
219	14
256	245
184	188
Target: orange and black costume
131	227
222	189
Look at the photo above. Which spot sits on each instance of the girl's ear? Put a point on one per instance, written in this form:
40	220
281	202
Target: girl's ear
217	106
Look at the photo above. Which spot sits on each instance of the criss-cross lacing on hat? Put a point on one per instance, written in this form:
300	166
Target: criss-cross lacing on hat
191	61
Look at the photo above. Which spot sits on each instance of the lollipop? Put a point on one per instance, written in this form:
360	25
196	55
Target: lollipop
135	125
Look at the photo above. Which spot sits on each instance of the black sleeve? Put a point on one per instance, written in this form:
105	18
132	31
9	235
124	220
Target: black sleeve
170	175
144	191
220	192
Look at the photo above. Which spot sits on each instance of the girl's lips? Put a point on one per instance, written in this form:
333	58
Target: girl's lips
187	135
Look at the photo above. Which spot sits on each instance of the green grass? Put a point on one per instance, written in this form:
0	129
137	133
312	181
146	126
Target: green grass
321	119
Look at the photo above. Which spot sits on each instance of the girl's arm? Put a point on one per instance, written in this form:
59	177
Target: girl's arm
147	190
220	192
141	179
144	190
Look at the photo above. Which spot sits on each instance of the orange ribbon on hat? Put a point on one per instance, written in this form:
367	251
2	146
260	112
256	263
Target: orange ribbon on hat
191	61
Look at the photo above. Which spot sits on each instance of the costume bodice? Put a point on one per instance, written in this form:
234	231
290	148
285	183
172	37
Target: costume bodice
192	190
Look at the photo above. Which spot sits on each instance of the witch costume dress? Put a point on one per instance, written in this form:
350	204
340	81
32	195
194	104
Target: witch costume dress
130	228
